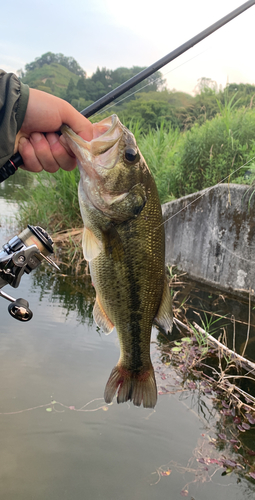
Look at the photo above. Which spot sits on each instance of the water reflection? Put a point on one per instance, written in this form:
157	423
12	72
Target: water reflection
85	449
226	447
218	313
14	188
74	293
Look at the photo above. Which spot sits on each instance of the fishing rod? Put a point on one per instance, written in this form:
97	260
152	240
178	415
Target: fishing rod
10	167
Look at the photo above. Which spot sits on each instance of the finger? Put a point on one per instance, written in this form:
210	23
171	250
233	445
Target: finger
27	152
62	155
78	123
43	152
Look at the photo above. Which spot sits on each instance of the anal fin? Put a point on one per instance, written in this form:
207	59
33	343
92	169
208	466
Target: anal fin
101	318
164	317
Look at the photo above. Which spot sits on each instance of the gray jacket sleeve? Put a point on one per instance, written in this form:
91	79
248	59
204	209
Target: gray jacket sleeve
13	104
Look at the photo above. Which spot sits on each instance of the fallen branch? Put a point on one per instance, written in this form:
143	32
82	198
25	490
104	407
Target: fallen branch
66	234
245	363
231	388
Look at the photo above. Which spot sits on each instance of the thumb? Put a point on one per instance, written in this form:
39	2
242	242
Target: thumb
79	124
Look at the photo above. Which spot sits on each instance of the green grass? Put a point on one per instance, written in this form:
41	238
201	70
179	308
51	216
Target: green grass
211	152
53	201
159	147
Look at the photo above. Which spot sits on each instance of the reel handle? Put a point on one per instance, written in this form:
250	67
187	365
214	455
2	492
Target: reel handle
19	310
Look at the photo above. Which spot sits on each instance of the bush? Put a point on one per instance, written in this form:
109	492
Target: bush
210	153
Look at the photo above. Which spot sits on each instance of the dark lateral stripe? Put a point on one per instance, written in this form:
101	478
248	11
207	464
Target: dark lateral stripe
135	317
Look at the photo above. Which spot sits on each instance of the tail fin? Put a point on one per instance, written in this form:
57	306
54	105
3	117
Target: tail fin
132	386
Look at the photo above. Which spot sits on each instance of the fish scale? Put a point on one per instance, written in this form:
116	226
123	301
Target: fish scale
124	243
141	279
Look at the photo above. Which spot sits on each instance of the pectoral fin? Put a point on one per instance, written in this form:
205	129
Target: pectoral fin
164	318
101	318
91	245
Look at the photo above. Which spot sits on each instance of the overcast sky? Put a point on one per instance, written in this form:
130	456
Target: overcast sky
110	33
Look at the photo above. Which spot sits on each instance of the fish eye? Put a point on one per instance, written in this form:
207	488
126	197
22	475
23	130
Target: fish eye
131	155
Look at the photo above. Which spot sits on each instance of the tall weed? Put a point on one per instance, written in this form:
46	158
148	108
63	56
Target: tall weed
213	151
159	147
53	201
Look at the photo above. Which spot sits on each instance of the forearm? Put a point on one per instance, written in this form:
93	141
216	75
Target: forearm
13	104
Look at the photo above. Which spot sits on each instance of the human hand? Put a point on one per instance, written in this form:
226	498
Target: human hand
45	114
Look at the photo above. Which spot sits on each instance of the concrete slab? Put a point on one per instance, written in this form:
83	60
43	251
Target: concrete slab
211	236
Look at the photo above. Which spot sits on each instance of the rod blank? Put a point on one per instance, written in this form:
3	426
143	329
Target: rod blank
111	96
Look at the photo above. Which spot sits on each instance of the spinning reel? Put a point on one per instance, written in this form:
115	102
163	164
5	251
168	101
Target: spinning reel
20	255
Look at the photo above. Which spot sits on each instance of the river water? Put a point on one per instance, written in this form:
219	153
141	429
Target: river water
59	440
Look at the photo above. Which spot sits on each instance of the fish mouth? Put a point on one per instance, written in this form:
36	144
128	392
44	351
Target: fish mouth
106	135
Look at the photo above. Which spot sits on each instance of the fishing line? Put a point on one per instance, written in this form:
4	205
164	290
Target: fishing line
154	81
206	191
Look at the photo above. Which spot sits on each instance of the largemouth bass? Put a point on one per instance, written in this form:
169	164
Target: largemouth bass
123	241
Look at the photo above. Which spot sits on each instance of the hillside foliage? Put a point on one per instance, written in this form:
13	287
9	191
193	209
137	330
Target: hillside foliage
49	58
150	102
64	77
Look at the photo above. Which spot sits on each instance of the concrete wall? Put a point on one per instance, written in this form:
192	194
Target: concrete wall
213	239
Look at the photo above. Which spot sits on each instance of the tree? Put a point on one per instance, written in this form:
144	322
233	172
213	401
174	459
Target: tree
150	112
243	92
111	79
50	58
20	73
71	91
204	84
